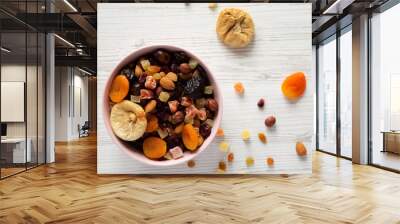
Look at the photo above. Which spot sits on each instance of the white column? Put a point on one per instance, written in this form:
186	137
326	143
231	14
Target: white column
50	92
360	90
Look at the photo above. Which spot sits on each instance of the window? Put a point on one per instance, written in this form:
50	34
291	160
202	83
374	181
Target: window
346	93
327	96
385	89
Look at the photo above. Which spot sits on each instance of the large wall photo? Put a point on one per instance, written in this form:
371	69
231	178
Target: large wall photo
198	89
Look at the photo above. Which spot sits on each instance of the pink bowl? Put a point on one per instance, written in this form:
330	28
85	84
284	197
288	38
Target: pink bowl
129	150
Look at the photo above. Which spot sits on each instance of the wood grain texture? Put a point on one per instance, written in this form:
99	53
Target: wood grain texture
70	191
282	45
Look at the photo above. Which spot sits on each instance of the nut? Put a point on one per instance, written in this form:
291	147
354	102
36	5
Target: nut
173	105
191	112
146	94
212	104
185	68
200	103
150	106
186	101
150	83
270	121
177	117
172	76
167	83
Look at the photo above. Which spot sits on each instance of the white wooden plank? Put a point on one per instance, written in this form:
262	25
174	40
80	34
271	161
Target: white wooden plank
282	45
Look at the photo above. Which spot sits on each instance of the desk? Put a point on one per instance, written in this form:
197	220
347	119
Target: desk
16	147
391	141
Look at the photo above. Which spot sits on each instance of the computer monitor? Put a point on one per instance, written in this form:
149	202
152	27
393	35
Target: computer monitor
3	130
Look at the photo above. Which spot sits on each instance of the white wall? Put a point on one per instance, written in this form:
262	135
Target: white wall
71	93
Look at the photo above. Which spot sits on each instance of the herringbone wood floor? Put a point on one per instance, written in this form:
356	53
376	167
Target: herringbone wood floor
70	191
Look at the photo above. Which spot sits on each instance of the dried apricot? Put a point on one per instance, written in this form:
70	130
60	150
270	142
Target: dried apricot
152	123
154	148
190	137
262	137
119	88
230	157
239	88
220	132
301	149
294	85
270	161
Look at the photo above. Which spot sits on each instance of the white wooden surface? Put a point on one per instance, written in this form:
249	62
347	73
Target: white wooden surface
282	45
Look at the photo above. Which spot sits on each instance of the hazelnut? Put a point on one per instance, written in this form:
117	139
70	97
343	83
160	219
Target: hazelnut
270	121
212	104
184	68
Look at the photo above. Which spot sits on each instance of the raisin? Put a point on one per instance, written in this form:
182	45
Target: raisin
180	57
195	87
162	56
173	141
205	130
135	89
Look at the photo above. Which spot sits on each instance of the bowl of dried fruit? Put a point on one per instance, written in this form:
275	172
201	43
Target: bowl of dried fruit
162	105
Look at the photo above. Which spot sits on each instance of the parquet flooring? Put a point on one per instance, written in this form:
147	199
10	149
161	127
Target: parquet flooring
70	191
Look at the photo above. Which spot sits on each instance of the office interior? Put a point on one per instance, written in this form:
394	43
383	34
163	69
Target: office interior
48	103
41	61
48	83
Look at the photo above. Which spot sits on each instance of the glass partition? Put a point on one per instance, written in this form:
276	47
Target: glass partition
14	155
22	77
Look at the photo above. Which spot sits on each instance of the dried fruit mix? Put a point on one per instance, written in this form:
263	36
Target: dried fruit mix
163	104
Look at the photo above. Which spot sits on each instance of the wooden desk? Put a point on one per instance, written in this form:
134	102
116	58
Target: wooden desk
391	141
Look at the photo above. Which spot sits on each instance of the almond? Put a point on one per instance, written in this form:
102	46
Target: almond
150	106
167	83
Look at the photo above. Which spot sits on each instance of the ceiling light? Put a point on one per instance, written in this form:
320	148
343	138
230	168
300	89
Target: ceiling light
337	7
84	71
70	5
65	41
5	50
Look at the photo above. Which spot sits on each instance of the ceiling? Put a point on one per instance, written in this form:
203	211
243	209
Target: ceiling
76	22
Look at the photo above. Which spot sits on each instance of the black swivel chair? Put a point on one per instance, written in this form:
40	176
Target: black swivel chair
84	130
